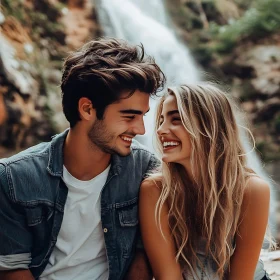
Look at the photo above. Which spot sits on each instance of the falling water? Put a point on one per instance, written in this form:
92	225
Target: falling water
145	22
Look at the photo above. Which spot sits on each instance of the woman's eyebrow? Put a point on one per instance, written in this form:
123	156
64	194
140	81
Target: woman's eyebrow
170	113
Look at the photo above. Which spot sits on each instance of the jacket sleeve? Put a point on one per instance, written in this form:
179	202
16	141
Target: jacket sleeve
15	237
153	165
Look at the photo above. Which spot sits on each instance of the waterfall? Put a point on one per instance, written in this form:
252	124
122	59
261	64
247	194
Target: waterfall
127	19
145	22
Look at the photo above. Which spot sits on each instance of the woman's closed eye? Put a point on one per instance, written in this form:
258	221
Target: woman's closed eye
176	119
173	120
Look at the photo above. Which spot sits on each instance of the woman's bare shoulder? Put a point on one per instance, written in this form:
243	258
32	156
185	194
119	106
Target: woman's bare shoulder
256	189
152	186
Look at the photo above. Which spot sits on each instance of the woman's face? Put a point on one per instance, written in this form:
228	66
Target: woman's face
173	136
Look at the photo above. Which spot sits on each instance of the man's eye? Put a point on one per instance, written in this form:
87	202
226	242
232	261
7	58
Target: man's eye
130	117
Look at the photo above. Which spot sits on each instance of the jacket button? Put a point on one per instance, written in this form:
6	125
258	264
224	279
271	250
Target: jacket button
105	230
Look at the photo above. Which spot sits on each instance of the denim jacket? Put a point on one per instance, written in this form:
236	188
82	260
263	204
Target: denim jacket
32	200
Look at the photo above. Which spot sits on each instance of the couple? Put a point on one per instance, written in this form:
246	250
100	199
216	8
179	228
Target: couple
94	204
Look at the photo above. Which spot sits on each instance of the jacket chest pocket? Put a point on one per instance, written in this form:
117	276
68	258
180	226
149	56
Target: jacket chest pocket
38	214
129	217
128	212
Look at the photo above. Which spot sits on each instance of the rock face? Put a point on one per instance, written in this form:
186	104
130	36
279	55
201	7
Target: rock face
83	25
254	70
3	113
20	108
33	45
264	60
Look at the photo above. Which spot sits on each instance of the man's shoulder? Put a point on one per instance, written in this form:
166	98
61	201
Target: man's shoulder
25	164
39	150
143	155
24	178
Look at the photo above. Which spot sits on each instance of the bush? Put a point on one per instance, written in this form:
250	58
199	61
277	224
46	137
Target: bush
262	19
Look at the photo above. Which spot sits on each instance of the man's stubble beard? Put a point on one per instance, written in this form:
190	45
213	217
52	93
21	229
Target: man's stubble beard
103	139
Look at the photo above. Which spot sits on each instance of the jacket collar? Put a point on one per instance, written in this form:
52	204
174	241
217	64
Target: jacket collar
55	164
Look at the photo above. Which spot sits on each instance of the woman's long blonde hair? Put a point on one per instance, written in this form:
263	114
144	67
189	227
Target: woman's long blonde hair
209	204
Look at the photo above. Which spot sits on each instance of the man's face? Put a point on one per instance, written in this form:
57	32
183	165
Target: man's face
122	121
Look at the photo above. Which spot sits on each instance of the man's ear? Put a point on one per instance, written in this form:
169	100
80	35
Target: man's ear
87	112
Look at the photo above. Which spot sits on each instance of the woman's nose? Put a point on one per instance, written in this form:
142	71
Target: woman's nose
163	129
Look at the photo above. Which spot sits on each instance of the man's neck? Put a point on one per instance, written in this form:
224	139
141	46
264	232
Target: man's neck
81	158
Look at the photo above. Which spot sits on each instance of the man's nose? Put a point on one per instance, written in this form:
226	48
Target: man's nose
139	128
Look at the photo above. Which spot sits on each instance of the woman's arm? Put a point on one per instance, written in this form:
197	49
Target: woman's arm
16	275
250	235
139	268
160	251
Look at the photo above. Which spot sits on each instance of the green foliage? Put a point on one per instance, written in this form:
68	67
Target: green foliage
14	8
183	15
244	4
277	125
247	92
260	148
43	27
261	19
267	152
42	20
202	54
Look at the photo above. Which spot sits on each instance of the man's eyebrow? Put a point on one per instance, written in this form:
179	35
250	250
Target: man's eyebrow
133	112
170	113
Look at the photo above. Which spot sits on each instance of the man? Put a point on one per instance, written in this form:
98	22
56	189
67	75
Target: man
68	208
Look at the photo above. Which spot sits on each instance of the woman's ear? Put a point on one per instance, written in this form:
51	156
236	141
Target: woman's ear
87	112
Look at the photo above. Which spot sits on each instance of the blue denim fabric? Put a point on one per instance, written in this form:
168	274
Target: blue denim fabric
32	199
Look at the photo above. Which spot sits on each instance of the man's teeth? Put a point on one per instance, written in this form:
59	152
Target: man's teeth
126	138
166	144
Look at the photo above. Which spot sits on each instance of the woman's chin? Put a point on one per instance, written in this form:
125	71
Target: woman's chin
166	159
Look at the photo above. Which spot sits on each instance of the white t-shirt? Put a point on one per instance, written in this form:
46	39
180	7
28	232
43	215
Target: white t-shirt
80	253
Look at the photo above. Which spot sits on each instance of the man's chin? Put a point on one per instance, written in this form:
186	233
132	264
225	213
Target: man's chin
123	153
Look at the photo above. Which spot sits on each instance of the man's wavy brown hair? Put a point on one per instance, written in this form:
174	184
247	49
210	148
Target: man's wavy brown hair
102	70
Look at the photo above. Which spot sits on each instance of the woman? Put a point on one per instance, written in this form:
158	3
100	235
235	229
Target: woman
204	216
